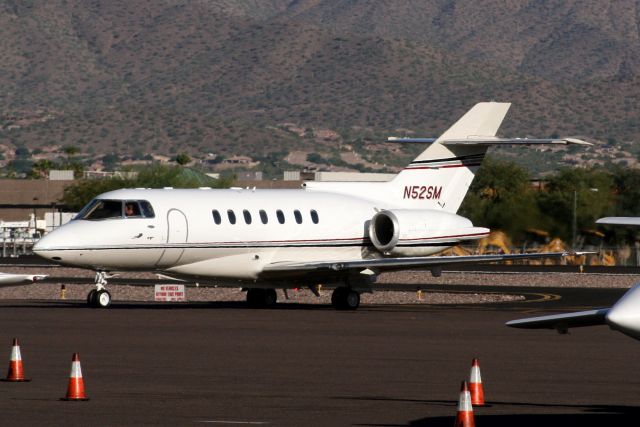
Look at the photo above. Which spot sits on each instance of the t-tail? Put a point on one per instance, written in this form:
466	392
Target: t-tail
439	178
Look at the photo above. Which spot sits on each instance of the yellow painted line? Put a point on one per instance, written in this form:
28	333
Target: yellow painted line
543	297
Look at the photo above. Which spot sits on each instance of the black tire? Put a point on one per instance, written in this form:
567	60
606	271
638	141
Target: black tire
92	298
270	297
103	299
338	298
351	300
256	297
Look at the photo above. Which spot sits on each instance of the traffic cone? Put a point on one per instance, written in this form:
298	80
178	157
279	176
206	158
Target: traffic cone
75	390
464	417
16	370
475	384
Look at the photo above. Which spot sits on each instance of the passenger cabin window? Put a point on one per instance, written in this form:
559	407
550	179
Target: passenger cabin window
263	217
298	216
314	216
280	216
247	216
216	217
232	216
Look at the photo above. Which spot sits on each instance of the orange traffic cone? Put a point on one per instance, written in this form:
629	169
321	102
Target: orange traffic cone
464	418
75	390
16	370
475	384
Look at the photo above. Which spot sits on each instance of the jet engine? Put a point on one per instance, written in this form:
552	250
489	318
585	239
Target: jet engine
412	232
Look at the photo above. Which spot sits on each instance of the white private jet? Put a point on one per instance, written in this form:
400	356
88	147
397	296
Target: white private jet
624	316
341	234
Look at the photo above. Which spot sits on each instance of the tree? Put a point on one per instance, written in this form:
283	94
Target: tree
70	150
41	168
501	197
183	159
589	189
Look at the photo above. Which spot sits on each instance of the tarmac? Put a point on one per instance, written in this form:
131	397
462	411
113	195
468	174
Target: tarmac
295	365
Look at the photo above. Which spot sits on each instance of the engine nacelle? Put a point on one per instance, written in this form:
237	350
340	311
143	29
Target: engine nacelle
410	232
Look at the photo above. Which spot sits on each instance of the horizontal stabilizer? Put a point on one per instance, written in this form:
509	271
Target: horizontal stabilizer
488	141
619	220
512	141
388	264
411	140
562	322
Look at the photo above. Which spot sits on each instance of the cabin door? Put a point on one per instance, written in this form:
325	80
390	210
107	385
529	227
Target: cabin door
177	235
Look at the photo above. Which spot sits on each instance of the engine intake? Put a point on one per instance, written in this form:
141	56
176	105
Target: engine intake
411	232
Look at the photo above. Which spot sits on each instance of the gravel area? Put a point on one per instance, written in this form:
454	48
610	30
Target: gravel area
44	291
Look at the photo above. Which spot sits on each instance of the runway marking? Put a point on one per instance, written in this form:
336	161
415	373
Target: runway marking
232	422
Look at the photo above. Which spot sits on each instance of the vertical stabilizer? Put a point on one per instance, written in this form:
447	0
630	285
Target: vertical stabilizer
440	176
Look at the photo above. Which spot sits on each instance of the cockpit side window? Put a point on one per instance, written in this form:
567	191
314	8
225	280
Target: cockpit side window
102	209
99	209
131	209
147	209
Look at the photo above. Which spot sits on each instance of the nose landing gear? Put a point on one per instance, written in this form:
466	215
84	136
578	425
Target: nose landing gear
99	297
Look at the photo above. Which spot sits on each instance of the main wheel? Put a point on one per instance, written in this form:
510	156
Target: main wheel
337	297
255	297
103	299
270	297
344	298
351	300
261	298
92	297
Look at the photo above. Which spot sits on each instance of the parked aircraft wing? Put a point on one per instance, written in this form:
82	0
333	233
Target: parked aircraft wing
562	322
624	316
15	279
619	220
387	264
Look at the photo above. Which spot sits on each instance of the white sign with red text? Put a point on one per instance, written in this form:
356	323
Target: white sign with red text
170	293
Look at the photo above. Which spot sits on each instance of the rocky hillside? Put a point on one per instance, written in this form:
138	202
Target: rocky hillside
229	76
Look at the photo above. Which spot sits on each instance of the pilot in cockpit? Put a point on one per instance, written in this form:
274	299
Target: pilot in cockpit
131	209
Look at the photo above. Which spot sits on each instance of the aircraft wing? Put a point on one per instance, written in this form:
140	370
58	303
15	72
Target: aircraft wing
619	220
7	279
562	322
401	263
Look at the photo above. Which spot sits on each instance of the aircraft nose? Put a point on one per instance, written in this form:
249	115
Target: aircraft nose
625	314
41	246
49	246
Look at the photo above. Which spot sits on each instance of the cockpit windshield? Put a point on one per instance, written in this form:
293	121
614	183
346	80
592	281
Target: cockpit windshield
99	209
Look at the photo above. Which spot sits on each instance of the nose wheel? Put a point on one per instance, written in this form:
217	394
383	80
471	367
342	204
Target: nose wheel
99	297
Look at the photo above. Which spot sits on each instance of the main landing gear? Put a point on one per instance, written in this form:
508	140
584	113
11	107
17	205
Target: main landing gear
261	298
99	297
344	298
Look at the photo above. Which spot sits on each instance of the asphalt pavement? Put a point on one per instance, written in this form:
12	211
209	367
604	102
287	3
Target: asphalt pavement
224	364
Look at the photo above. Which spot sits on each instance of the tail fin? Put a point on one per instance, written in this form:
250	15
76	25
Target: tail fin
440	176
